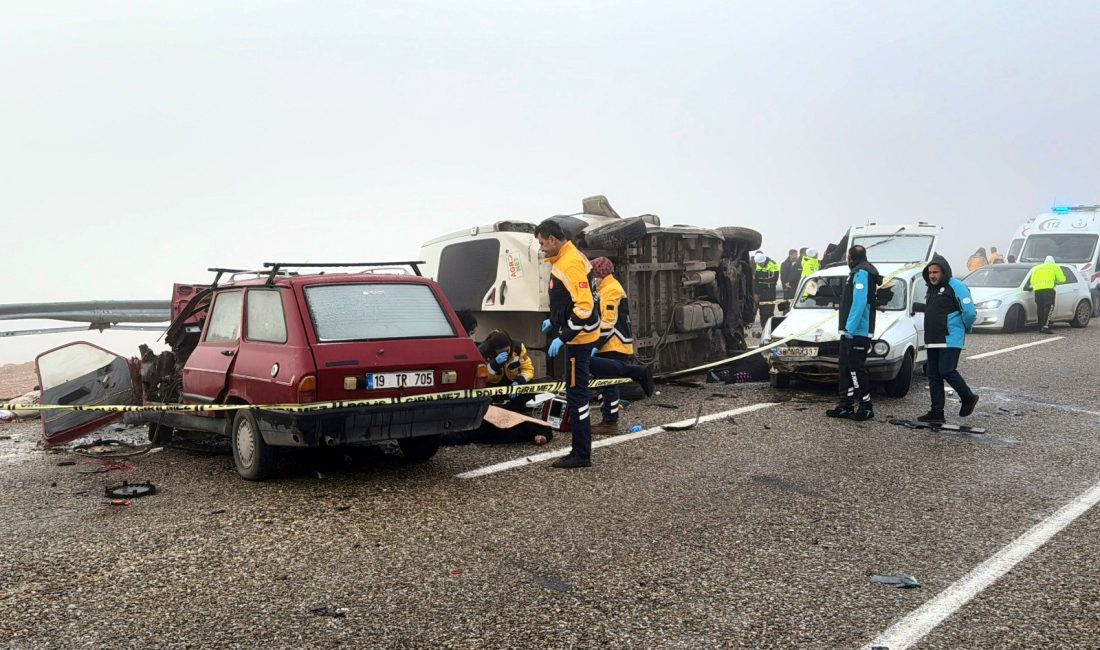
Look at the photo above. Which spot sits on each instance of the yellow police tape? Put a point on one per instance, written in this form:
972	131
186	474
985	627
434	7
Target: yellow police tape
524	389
473	393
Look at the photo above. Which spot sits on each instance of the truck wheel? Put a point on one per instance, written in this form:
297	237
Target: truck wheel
1082	315
899	386
1014	320
614	236
779	379
420	449
745	236
160	434
254	458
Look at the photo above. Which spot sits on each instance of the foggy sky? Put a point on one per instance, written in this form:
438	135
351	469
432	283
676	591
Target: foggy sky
145	142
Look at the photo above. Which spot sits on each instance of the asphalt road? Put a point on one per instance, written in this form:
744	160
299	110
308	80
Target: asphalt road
760	530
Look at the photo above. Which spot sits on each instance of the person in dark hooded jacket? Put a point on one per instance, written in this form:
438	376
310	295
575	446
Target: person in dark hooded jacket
857	324
949	315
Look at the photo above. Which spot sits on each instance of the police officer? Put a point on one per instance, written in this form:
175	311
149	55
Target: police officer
615	347
765	276
575	321
1043	280
810	263
857	324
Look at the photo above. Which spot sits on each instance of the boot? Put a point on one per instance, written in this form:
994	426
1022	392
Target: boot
839	411
933	417
865	412
648	387
571	462
968	406
606	428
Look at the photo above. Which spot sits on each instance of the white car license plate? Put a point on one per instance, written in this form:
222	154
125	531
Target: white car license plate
797	352
405	379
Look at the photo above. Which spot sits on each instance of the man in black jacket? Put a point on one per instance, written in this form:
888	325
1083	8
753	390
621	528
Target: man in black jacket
857	325
790	274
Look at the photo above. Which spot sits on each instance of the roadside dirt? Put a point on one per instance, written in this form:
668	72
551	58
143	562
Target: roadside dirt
17	378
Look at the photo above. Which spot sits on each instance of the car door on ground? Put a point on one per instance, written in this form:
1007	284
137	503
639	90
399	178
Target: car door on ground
206	372
82	374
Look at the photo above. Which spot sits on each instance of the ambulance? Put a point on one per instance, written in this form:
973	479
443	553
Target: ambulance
1072	236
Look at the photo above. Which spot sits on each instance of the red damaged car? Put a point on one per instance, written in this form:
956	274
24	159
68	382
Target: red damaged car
276	337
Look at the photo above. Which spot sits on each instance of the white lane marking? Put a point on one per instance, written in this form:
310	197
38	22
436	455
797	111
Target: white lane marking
925	618
1015	347
606	442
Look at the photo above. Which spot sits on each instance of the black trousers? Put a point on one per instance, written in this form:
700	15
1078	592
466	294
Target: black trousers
1044	299
943	365
612	365
577	359
855	381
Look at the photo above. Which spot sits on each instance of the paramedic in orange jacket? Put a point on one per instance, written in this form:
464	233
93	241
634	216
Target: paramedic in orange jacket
575	322
615	347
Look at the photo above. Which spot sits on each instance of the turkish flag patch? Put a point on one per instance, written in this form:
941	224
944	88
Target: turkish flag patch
582	285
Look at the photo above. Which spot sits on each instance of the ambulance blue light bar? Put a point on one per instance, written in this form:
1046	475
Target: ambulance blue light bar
1060	209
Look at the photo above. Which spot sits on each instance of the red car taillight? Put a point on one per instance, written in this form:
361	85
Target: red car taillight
482	379
307	390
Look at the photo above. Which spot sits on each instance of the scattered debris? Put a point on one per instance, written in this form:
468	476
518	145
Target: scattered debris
553	584
66	463
130	490
120	502
666	406
635	429
111	466
688	383
899	581
329	610
685	427
342	508
218	512
456	572
937	426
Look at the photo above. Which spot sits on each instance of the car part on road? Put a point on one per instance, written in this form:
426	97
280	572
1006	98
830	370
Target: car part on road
130	490
937	426
329	610
899	581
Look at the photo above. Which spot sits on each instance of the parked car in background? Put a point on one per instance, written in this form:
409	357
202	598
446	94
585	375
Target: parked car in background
277	337
1005	300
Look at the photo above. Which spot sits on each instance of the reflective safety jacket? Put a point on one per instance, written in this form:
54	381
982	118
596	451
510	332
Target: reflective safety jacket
765	277
1046	276
616	332
573	309
975	262
518	365
810	265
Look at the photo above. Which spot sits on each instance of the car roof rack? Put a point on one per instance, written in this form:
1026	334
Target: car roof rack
220	272
275	267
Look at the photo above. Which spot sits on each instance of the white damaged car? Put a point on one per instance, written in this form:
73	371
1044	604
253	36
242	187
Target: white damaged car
899	253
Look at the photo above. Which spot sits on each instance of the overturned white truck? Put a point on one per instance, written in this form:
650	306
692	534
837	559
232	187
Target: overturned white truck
690	288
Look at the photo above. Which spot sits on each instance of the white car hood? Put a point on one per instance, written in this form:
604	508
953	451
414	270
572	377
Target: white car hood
801	319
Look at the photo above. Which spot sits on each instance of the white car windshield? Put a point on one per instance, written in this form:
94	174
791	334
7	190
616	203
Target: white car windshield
996	277
896	249
825	293
1064	248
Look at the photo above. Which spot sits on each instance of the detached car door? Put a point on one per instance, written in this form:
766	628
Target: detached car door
207	369
82	374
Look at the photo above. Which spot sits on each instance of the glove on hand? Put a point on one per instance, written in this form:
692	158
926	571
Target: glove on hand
555	347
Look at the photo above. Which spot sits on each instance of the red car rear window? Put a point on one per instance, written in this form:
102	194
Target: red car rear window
370	311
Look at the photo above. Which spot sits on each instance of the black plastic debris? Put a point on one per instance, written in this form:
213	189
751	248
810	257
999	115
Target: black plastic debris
899	581
329	610
130	490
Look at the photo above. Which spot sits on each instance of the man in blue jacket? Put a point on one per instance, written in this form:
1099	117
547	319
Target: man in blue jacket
857	324
949	315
